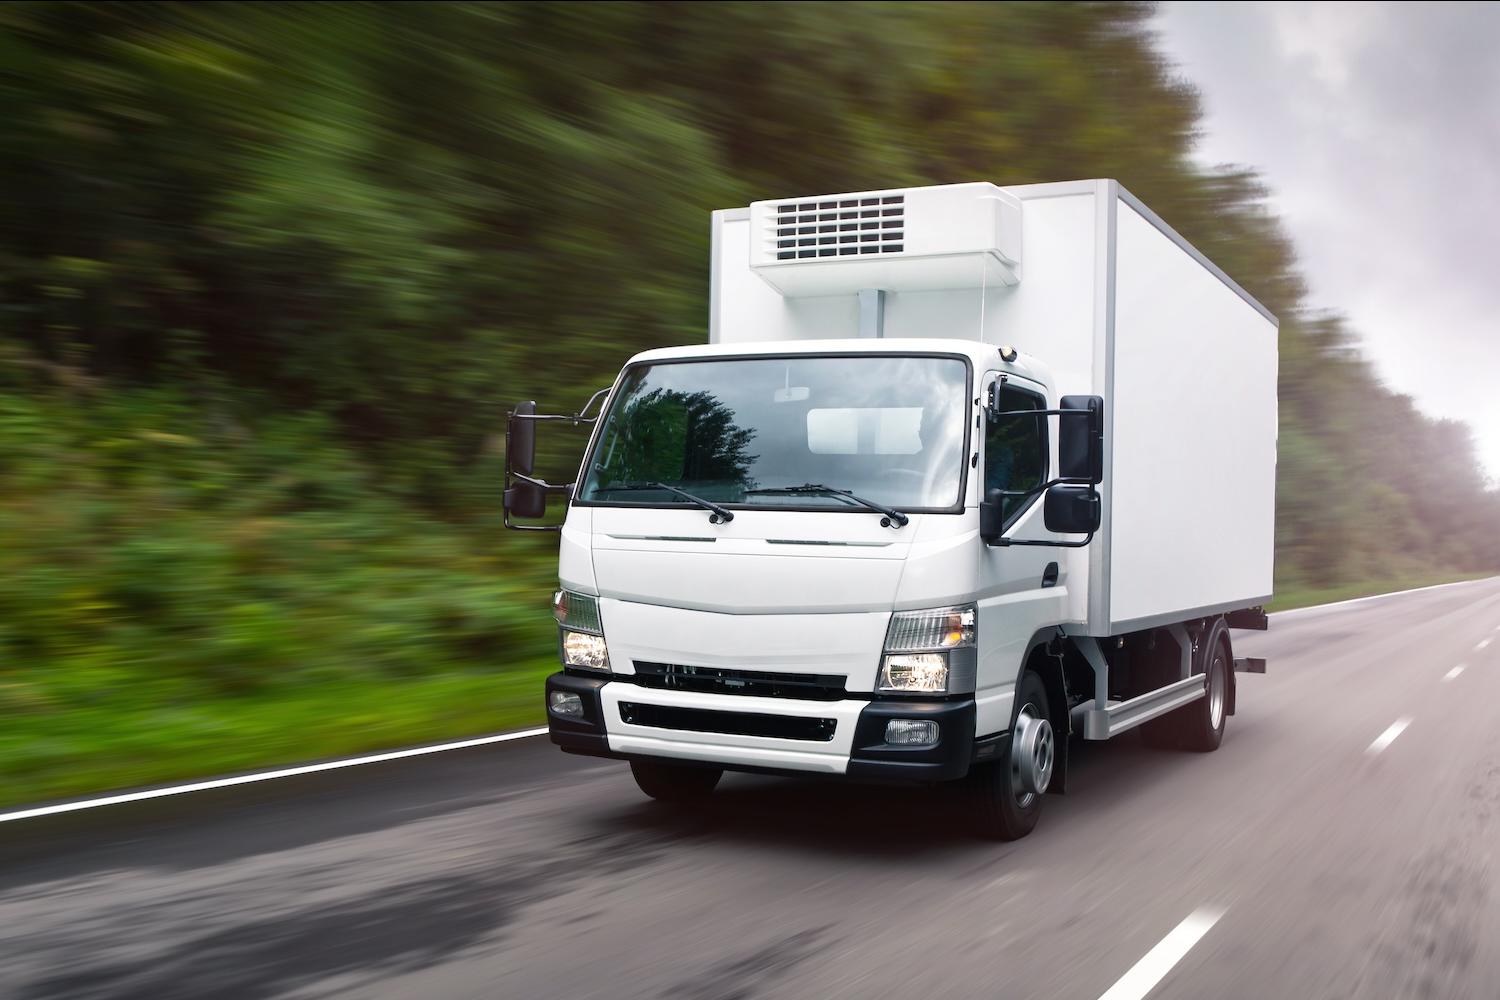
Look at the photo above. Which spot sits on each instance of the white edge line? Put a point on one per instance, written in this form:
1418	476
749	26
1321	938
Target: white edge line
1454	672
1376	597
1388	737
245	779
1156	963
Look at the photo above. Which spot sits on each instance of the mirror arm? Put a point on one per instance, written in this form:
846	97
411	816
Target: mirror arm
1049	544
506	523
1060	481
580	417
543	484
598	395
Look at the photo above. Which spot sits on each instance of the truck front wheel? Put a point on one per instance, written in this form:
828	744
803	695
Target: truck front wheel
1008	793
674	782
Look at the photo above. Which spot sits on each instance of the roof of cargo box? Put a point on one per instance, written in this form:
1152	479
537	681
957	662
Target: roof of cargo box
902	258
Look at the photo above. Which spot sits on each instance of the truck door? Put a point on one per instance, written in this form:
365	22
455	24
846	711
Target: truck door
1023	587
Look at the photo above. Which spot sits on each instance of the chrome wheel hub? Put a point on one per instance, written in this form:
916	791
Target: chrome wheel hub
1032	753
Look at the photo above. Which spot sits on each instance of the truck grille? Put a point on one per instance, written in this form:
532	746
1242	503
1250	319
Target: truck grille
756	683
840	226
697	720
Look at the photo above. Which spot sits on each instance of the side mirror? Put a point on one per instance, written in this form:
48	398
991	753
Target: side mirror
1080	440
524	499
520	439
1070	510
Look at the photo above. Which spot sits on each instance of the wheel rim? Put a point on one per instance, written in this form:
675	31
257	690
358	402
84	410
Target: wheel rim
1216	691
1032	755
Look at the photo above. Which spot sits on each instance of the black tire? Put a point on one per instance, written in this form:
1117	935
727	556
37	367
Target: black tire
1202	724
1002	810
674	782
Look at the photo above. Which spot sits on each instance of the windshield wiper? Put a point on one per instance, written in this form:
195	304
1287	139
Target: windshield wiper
720	515
892	515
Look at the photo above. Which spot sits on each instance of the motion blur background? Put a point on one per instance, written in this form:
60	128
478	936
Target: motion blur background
270	277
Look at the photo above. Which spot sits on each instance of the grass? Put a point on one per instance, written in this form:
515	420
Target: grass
1300	597
103	748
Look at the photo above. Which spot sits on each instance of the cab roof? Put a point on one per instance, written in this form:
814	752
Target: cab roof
984	357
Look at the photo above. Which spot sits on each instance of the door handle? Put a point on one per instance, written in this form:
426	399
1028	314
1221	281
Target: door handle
1049	575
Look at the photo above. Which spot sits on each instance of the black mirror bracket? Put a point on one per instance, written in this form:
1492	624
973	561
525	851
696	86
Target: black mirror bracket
520	485
1045	543
581	417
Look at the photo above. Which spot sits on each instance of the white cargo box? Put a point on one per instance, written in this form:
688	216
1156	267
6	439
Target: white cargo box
1082	276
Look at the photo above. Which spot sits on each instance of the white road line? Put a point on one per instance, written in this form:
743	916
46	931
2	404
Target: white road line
1377	597
1454	672
1388	737
245	779
1154	966
1482	643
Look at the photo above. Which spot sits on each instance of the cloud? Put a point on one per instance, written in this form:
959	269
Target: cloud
1378	129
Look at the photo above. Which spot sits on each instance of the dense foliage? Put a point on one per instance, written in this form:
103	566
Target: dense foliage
270	274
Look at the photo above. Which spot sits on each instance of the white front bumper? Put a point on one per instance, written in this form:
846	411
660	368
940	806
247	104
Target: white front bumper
831	756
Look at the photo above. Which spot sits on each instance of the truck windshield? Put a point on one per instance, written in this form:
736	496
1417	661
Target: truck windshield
887	428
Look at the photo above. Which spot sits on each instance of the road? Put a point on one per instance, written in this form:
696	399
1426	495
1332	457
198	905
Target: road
1344	863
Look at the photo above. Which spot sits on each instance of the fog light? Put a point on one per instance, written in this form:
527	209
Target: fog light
911	732
565	703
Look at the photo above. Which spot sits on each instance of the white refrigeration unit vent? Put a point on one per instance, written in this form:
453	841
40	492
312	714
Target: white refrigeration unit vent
840	226
913	239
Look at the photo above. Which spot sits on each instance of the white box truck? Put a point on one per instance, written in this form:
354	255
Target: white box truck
962	471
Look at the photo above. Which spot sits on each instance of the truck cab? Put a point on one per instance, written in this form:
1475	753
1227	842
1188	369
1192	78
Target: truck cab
865	556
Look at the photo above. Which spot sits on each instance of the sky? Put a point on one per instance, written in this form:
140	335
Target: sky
1377	129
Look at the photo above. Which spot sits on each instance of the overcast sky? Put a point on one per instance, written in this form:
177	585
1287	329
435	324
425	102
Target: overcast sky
1377	128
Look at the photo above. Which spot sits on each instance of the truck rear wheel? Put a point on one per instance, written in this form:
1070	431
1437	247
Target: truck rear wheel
1204	720
1008	793
1199	725
674	782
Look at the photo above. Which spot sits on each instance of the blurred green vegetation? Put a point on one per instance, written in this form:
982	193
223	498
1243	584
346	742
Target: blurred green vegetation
188	588
271	275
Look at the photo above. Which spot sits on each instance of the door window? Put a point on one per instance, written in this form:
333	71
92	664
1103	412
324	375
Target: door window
1015	450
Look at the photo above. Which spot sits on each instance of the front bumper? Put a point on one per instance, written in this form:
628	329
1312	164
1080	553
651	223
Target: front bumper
852	745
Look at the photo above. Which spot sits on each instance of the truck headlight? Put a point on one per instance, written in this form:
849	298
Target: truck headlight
917	645
580	649
926	673
581	630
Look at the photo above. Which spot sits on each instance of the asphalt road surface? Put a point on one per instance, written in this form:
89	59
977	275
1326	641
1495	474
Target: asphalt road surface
1342	854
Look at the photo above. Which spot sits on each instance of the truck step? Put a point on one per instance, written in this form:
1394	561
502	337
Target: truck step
1118	716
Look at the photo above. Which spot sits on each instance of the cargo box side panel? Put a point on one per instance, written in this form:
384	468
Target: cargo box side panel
1193	400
